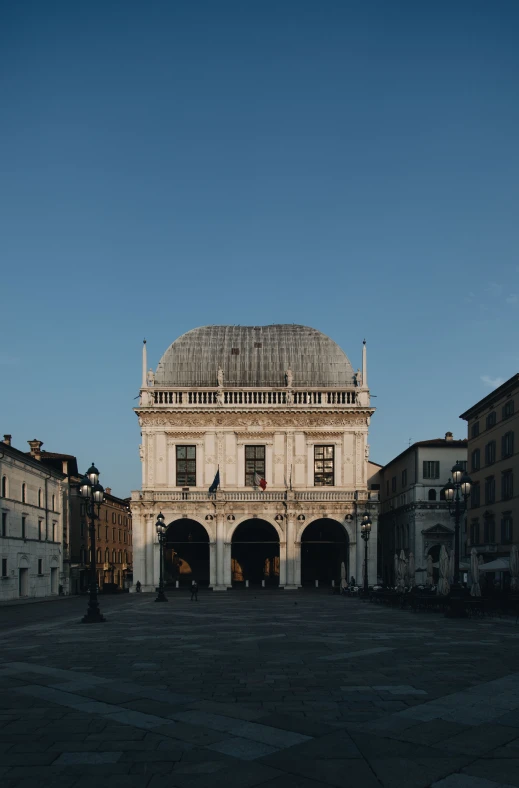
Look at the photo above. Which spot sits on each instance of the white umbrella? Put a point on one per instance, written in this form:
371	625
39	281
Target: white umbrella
499	565
402	570
430	576
343	575
514	568
475	589
443	583
451	566
411	570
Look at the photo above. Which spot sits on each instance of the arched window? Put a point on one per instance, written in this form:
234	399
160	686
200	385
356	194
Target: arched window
99	556
113	517
107	555
114	559
119	519
120	557
39	497
4	486
24	493
432	495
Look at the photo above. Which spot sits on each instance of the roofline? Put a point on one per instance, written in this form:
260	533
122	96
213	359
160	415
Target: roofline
21	455
494	395
431	443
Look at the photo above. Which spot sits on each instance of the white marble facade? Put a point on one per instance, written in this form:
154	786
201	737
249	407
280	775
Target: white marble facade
221	389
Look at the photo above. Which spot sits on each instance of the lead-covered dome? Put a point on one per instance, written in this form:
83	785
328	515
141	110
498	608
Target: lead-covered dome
254	356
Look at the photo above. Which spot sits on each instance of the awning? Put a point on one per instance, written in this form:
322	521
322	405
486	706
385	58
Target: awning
499	565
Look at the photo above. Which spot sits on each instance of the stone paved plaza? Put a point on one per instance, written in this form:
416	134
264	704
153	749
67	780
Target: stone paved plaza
279	690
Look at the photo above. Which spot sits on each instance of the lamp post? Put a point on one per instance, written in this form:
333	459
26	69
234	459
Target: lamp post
160	525
365	531
93	493
456	494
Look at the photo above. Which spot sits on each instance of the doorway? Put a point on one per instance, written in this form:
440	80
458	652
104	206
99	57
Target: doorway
23	582
186	553
324	547
255	554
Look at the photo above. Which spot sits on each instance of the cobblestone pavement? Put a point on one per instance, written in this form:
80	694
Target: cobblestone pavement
278	690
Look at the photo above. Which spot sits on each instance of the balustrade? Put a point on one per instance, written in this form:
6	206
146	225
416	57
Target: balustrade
235	398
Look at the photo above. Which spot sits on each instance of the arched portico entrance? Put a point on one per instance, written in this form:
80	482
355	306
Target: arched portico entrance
255	554
186	554
324	546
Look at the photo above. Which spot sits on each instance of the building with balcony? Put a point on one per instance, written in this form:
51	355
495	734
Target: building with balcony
493	464
278	416
33	510
414	515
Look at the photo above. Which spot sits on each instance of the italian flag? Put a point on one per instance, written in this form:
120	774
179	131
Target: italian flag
259	482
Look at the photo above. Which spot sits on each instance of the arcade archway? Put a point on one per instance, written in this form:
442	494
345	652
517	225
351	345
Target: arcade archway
186	554
255	554
324	546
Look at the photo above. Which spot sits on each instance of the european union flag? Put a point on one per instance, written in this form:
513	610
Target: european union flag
216	482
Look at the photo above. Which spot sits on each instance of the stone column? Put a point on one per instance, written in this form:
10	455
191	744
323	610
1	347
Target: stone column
212	564
297	565
220	536
283	562
290	551
227	578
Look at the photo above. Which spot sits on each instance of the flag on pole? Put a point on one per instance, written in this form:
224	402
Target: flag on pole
259	482
216	482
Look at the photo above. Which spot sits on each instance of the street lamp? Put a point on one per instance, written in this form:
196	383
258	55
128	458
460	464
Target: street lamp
365	531
456	494
160	525
93	493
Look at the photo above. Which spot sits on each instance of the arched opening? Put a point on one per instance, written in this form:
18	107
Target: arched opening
255	554
324	547
434	552
432	495
186	553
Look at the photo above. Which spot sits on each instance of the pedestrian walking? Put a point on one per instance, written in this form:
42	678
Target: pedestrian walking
138	587
194	590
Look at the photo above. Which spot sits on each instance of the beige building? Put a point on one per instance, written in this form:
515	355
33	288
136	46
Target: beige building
493	517
414	515
279	407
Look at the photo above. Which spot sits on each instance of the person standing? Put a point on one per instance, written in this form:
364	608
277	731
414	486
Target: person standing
194	590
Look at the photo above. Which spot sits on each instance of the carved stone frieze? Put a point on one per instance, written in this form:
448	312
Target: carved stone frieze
237	419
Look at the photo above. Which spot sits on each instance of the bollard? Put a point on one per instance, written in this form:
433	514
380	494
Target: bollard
263	584
246	584
177	583
317	583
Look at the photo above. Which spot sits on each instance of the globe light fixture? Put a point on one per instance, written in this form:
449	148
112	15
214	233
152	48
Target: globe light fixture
456	493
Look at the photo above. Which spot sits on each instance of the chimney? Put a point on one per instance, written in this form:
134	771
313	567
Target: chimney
35	448
448	436
7	439
64	463
108	490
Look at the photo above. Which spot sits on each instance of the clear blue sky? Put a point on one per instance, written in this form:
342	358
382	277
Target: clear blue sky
353	166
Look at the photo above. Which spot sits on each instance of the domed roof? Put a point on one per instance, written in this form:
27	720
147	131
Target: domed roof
254	356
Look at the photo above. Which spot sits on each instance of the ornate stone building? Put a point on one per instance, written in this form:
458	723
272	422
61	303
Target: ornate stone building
276	405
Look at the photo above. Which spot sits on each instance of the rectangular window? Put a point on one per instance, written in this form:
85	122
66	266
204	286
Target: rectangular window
490	453
507	529
24	526
82	528
508	409
491	420
507	485
4	567
4	523
475	429
113	534
431	469
254	463
323	466
119	534
186	466
476	460
393	484
474	532
404	477
475	496
490	490
113	517
489	530
507	444
106	533
40	566
40	529
53	532
98	533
